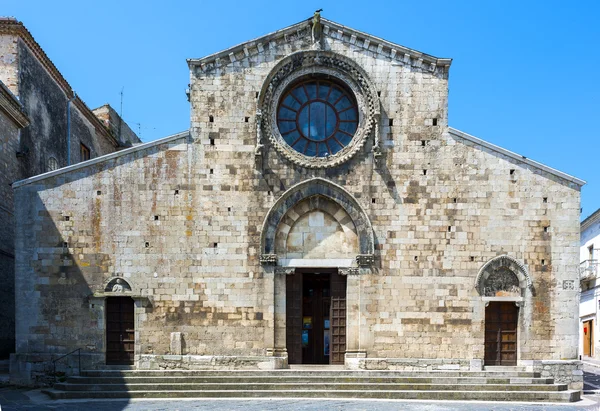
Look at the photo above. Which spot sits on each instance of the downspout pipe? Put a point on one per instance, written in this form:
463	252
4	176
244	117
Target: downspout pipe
69	128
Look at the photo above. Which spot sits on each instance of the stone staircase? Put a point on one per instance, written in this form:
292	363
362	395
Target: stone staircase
431	385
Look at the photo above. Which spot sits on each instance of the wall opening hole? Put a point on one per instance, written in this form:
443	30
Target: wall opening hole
147	244
434	121
65	245
246	119
543	262
449	228
155	218
379	94
512	171
211	171
416	258
211	119
268	193
423	143
215	245
176	192
472	258
228	208
546	229
424	172
454	199
98	193
373	200
545	199
212	141
391	122
67	218
256	95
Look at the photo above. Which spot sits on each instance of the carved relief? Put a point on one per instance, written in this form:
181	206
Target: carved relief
268	259
118	285
348	271
365	260
502	283
285	270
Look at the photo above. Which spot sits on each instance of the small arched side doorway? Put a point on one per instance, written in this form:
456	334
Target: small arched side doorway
502	283
120	331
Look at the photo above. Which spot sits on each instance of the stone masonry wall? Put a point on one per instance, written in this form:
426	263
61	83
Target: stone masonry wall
9	143
440	207
182	223
8	62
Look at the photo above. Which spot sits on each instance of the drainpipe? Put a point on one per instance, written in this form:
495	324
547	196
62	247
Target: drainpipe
69	129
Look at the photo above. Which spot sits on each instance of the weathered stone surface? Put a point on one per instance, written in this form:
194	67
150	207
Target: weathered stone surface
198	225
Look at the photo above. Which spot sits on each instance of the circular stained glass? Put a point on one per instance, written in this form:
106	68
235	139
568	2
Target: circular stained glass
317	118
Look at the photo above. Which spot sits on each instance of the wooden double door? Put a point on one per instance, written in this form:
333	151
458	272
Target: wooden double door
501	323
316	317
120	330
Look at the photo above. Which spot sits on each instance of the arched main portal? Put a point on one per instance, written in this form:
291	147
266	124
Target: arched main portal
316	234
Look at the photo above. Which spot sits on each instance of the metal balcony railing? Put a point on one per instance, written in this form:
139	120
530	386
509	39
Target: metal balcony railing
588	269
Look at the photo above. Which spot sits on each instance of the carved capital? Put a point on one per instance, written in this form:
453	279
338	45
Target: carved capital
348	271
285	270
365	260
269	259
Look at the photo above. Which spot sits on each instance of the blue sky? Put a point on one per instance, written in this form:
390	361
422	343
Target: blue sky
523	74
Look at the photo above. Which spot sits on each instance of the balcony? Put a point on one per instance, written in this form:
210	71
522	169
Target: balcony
588	269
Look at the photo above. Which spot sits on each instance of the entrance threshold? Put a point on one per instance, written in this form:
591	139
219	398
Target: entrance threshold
316	367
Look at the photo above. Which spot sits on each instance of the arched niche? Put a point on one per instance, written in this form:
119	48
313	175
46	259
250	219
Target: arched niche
503	277
316	228
117	285
324	195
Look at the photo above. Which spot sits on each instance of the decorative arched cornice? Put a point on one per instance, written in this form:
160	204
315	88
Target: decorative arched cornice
126	285
304	190
310	63
508	262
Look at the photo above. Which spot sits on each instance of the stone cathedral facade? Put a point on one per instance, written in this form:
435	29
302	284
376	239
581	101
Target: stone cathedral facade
320	210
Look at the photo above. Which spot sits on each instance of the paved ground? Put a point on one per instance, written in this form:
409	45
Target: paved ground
12	399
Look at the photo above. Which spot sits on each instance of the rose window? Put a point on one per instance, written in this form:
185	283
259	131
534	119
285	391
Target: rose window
317	118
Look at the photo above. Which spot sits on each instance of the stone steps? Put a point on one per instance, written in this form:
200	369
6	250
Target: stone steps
528	396
497	385
306	386
305	380
307	373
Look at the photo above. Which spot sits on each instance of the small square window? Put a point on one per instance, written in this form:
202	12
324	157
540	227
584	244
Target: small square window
84	152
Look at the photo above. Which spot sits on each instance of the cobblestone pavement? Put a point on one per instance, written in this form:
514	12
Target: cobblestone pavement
12	399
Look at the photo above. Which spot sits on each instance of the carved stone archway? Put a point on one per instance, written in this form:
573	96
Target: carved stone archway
318	187
503	272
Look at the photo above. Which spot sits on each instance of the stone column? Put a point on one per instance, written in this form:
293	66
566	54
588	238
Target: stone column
354	306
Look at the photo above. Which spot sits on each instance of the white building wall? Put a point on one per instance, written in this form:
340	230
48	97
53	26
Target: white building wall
590	286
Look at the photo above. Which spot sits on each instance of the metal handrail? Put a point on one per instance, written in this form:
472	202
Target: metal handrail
78	351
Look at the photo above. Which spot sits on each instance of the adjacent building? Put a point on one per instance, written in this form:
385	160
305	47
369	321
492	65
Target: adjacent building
320	210
43	126
590	289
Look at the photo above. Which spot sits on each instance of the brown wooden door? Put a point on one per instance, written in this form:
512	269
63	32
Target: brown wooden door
501	321
120	332
293	318
588	333
338	319
316	300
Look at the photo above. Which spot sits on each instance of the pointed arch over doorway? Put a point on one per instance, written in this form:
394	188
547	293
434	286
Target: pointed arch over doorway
503	274
317	187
